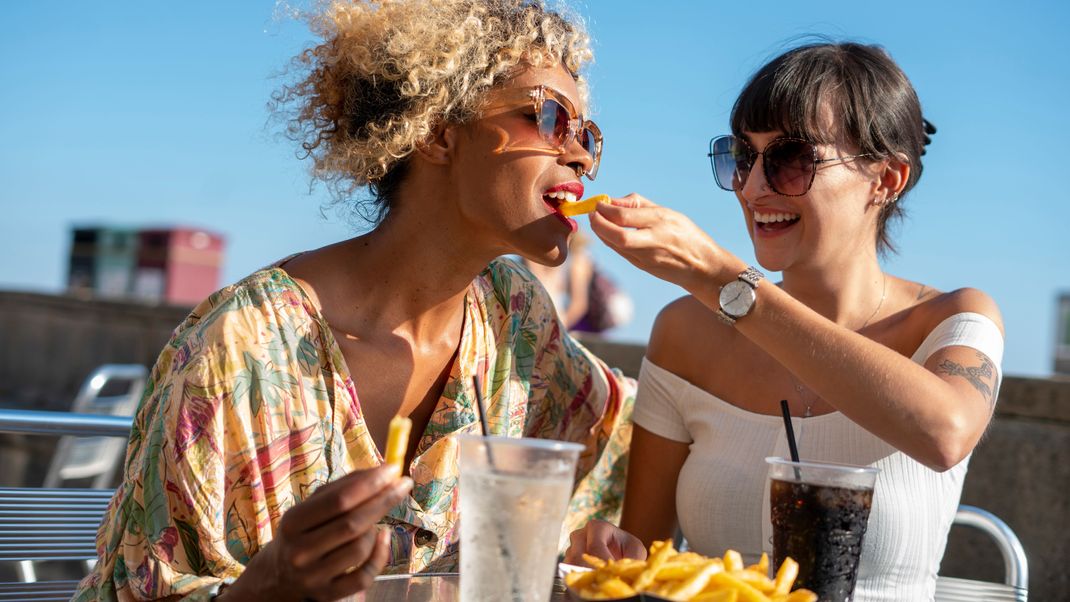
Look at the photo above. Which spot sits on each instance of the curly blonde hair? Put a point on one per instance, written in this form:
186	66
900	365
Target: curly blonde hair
389	71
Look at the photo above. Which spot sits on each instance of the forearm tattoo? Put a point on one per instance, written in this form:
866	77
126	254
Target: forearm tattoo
978	376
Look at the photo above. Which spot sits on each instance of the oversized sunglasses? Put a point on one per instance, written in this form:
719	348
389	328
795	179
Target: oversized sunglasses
556	119
789	164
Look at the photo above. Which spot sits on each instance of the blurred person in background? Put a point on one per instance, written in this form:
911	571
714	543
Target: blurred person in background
254	468
570	283
878	370
587	300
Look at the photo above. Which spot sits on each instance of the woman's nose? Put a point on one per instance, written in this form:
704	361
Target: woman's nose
755	185
575	155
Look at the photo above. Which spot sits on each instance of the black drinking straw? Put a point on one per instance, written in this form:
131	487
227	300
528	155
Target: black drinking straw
791	435
482	417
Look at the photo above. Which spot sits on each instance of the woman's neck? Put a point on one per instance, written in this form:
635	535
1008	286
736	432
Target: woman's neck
408	277
850	294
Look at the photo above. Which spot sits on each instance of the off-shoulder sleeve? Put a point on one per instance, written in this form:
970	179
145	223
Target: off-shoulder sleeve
967	329
656	404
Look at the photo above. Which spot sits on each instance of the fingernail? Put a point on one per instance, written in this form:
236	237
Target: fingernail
403	486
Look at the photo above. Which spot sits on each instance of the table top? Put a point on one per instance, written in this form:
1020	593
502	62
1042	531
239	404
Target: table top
431	587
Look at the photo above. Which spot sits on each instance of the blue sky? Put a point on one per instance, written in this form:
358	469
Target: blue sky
139	113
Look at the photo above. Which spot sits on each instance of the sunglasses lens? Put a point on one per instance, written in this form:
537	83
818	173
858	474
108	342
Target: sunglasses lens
553	122
731	163
593	146
790	166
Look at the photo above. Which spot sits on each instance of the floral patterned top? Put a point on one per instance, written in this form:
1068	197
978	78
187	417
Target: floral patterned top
250	408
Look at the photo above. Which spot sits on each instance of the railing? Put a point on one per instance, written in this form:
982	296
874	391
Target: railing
64	423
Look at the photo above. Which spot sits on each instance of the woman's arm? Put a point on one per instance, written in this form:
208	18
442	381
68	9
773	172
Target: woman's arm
935	415
649	512
650	495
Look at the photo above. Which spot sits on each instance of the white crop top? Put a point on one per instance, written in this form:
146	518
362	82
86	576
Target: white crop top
722	496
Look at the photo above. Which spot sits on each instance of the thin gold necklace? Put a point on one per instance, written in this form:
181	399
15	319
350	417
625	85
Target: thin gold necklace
799	388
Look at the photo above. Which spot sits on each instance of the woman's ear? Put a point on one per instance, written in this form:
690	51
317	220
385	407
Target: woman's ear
438	148
893	178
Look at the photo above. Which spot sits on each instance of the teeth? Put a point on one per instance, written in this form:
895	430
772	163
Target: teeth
562	195
767	218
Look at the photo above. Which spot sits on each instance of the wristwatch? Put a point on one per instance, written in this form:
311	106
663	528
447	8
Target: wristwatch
737	297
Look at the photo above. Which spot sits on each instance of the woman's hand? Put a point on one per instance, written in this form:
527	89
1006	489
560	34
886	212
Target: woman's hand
604	540
664	243
328	546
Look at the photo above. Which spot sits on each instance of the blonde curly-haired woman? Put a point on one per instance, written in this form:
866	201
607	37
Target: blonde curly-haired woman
255	468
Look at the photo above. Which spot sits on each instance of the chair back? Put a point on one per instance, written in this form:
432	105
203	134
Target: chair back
98	458
1015	586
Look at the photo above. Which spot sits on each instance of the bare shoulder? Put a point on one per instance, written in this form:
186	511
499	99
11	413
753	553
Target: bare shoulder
939	306
686	336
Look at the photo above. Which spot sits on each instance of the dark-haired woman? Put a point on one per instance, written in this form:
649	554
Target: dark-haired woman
878	370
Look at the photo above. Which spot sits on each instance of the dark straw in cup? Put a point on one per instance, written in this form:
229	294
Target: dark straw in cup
791	434
483	417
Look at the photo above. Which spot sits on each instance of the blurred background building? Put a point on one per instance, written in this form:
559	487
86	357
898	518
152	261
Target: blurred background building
177	266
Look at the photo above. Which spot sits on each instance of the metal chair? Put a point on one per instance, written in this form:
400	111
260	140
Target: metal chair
52	524
92	458
1015	586
49	524
97	458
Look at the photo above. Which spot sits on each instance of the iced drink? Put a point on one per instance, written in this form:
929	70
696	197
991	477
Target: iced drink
513	494
819	514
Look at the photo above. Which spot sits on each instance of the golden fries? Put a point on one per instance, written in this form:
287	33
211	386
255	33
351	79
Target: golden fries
687	577
397	442
581	207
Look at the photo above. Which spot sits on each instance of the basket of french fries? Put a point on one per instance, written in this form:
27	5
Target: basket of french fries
685	577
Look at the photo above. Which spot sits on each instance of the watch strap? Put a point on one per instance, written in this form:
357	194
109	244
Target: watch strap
724	317
751	276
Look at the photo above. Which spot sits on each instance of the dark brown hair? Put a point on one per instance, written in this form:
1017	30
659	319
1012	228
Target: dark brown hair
870	101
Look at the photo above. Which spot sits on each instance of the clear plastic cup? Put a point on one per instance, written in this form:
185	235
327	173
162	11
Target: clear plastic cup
819	513
514	494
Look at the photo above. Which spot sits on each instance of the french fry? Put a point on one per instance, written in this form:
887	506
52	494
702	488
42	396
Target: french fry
697	582
801	595
733	561
721	595
785	576
761	581
582	207
747	593
594	561
762	566
579	579
616	588
397	442
676	570
654	562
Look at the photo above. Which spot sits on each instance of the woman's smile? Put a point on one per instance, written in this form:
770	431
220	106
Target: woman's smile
769	224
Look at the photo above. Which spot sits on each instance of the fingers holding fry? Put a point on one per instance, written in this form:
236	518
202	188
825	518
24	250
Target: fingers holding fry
688	577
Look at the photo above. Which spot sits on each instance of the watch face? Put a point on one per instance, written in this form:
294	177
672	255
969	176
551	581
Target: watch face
737	298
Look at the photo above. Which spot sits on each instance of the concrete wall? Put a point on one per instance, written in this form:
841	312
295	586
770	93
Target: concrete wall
1020	471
